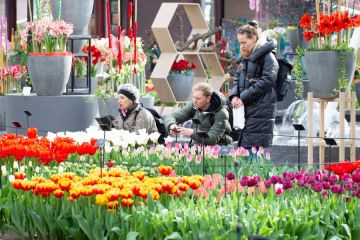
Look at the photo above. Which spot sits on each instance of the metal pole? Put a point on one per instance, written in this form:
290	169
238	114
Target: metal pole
299	149
203	156
27	121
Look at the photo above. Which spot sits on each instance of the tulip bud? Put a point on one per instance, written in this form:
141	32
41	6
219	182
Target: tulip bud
16	165
22	169
30	164
61	169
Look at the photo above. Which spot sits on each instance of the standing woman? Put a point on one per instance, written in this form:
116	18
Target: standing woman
254	87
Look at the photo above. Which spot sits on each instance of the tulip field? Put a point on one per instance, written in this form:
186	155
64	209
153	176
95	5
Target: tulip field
68	186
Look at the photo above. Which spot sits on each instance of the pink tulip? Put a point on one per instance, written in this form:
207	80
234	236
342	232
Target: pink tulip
278	189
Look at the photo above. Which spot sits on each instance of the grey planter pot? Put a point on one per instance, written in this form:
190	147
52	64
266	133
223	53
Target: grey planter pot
181	86
2	113
49	74
322	70
77	12
147	102
296	39
108	106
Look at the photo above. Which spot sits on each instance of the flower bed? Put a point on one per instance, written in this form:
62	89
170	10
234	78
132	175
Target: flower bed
156	192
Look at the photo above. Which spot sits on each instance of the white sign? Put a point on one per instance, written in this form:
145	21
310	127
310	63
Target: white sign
26	91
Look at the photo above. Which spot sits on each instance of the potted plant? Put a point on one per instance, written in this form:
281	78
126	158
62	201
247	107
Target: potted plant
80	67
10	82
76	12
181	78
329	61
48	48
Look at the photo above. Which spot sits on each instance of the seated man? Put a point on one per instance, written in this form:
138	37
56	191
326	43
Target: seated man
209	107
132	116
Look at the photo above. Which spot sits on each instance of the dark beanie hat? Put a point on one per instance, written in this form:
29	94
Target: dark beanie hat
128	94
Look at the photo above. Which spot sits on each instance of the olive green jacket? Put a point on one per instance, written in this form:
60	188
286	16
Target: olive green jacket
214	121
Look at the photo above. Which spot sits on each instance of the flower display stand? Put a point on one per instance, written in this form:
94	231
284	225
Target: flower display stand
169	52
347	101
50	113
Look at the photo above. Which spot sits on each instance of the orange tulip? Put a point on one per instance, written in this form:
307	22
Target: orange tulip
127	202
19	175
58	193
64	184
165	170
113	205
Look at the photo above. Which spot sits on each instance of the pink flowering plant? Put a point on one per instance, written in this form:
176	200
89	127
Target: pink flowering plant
47	36
10	78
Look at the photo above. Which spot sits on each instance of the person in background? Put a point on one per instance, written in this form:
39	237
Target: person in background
254	87
132	117
209	107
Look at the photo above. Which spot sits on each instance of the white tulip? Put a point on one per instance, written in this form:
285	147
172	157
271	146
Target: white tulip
16	165
30	164
11	178
22	169
61	169
37	169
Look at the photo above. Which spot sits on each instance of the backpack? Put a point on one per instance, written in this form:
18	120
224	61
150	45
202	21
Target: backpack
283	77
160	124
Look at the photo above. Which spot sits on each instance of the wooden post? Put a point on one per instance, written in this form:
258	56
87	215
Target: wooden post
346	101
352	125
310	130
341	127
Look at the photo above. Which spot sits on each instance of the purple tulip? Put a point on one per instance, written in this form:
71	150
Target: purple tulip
251	182
287	185
349	186
318	187
325	177
353	193
298	175
333	179
356	177
347	177
230	176
267	183
257	179
326	185
244	181
301	182
335	188
274	179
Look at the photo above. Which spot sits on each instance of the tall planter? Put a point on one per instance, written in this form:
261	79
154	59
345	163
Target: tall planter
324	68
49	74
77	12
180	85
295	38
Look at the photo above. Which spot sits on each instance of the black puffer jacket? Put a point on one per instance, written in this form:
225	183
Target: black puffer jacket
256	89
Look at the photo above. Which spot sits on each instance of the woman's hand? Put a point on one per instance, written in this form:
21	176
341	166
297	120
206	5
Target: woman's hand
236	102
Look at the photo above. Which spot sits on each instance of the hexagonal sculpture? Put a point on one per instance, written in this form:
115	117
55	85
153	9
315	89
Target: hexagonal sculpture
169	53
